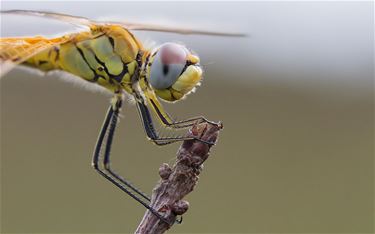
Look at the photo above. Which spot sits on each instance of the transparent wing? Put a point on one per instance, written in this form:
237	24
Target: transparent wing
76	20
82	21
14	51
180	30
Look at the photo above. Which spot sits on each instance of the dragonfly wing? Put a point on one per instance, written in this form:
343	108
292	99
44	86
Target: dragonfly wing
14	51
179	30
76	20
82	21
5	67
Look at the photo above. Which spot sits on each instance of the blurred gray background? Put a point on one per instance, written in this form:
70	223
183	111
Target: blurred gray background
296	99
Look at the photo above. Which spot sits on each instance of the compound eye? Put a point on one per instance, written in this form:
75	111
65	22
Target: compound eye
167	66
172	53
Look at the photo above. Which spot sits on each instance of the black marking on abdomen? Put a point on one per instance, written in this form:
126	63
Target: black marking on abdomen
104	66
112	41
125	70
118	77
96	76
41	62
57	50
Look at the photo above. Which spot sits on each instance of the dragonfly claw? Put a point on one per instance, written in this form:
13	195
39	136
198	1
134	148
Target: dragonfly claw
178	221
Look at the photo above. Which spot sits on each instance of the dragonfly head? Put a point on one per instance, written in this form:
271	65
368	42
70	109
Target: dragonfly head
173	71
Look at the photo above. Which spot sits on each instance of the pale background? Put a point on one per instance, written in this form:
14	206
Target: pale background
296	99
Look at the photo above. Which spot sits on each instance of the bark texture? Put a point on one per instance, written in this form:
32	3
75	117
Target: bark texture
177	181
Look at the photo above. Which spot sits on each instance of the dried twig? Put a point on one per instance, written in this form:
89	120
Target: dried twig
178	181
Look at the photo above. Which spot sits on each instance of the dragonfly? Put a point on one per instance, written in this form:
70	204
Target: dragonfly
109	55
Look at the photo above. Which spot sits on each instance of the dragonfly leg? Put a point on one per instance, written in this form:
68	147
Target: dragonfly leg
105	139
151	132
167	120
